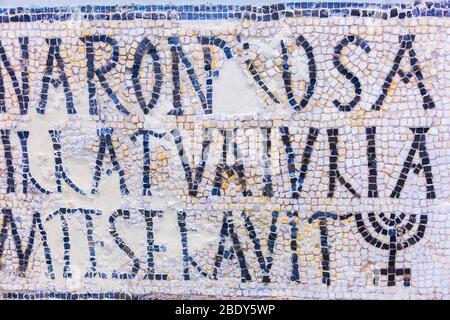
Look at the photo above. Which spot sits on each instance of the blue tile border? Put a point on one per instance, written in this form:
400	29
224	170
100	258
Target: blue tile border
272	12
40	295
95	295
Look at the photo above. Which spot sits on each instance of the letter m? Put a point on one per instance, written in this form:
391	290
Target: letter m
24	254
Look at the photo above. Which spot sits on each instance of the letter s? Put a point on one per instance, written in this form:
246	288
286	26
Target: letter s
122	245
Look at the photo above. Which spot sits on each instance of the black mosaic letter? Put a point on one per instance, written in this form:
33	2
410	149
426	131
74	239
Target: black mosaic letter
91	243
193	183
224	170
88	213
417	145
177	54
334	171
405	45
24	256
298	106
10	183
265	264
105	135
293	216
22	94
100	72
53	53
372	162
210	73
297	184
255	74
26	174
187	259
123	245
151	274
60	172
228	230
146	183
322	217
147	47
267	179
345	72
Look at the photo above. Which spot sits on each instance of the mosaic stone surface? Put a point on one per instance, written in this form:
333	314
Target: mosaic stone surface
297	150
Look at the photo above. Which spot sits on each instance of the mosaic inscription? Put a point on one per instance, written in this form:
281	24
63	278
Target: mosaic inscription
296	150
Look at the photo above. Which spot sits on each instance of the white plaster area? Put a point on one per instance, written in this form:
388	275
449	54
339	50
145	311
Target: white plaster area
233	92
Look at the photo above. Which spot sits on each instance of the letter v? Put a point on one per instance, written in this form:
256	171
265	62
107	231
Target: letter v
193	183
264	263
